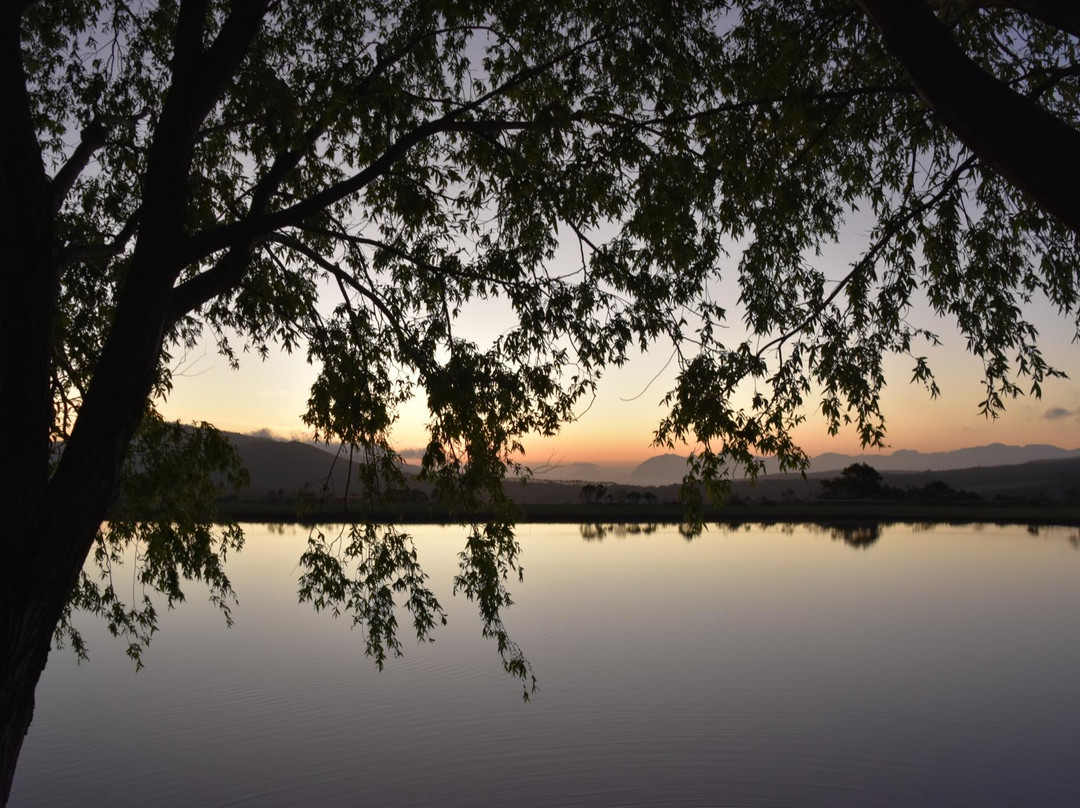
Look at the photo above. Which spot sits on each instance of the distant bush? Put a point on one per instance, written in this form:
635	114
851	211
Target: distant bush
939	491
592	493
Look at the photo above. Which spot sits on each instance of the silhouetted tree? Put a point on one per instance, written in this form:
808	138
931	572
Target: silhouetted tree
593	492
940	491
193	170
857	481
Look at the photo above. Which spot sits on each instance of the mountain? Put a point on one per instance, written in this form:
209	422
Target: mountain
660	470
994	454
585	472
285	467
288	466
1057	480
670	468
278	467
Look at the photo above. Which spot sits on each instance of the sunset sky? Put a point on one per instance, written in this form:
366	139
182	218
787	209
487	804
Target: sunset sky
618	426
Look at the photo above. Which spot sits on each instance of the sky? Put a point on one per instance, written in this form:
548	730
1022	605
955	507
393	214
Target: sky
617	426
271	395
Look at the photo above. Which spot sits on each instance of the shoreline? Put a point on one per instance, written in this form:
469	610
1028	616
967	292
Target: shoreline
869	512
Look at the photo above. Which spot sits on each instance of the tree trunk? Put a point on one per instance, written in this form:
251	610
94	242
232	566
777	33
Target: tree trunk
31	605
51	518
16	712
51	521
26	641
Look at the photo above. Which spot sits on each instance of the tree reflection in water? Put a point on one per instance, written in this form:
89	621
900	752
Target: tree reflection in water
860	536
598	531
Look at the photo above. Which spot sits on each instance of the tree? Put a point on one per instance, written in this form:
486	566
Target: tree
857	481
592	492
193	170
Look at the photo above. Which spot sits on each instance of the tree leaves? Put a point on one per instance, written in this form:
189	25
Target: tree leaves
358	573
164	526
366	171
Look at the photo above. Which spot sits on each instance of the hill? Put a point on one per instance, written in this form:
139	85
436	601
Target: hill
279	469
668	469
994	454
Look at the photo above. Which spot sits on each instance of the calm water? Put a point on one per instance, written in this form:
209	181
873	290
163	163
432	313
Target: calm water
752	667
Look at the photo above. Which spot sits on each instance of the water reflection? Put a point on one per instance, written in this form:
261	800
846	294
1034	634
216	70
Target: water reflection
753	666
598	531
858	536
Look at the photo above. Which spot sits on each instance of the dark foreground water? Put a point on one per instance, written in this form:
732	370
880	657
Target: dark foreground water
756	667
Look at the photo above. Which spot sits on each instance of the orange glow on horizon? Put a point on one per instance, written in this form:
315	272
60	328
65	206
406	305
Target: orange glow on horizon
617	427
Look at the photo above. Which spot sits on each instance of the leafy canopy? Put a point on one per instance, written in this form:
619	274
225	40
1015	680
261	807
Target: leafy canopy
343	177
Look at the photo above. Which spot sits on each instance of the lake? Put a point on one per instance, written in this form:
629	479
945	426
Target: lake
753	666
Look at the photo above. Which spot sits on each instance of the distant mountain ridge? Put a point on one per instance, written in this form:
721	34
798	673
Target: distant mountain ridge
670	468
279	469
280	465
993	454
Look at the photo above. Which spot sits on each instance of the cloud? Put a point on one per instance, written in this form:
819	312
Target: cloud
264	433
1057	413
412	454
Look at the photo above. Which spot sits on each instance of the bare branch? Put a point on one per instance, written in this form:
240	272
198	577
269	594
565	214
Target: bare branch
74	253
227	273
93	138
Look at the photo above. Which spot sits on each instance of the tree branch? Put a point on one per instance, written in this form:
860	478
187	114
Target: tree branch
216	68
1061	14
1030	147
363	241
868	261
74	253
761	101
208	242
229	271
93	138
187	43
422	363
220	278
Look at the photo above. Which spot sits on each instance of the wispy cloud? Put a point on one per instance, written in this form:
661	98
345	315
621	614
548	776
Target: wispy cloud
411	454
1057	413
